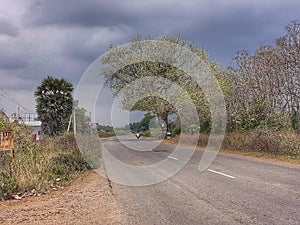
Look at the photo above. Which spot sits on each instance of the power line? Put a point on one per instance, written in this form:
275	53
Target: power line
6	95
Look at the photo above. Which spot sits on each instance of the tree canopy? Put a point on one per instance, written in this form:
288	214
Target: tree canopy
262	90
266	85
54	103
118	79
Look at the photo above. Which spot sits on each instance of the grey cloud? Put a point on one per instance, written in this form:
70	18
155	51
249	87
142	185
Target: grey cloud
83	13
8	28
239	27
11	59
88	44
10	81
222	27
15	53
61	38
10	63
90	13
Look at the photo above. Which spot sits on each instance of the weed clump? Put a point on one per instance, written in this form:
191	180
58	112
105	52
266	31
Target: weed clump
52	161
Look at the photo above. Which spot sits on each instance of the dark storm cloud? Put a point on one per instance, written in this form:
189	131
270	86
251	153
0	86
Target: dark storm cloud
77	12
226	30
10	62
12	58
157	15
223	27
88	44
8	28
224	34
61	38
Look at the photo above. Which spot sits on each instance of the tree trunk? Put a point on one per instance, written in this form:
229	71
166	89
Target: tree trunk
164	117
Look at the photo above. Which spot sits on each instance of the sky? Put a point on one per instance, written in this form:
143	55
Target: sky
61	38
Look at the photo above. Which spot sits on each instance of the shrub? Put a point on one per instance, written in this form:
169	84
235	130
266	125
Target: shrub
271	142
8	184
146	133
175	131
103	133
64	165
37	165
5	161
30	168
90	149
4	123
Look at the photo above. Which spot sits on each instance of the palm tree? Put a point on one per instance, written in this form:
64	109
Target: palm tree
54	104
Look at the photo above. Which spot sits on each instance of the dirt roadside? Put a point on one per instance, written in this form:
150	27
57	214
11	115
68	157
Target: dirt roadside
88	200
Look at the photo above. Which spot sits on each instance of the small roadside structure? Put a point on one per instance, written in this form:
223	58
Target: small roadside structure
36	129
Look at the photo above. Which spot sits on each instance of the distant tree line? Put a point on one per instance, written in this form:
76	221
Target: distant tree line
142	125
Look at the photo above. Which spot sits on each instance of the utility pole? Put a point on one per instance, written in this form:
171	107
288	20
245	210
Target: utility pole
91	122
164	93
69	124
75	105
74	121
18	112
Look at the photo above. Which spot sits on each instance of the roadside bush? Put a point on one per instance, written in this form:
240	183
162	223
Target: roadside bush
286	143
146	133
90	149
30	168
237	141
8	184
260	115
64	158
103	133
188	139
185	139
175	131
22	136
265	141
5	161
290	144
269	142
203	139
4	123
39	165
64	165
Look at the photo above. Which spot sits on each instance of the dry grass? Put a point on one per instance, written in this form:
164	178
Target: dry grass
274	143
39	165
260	143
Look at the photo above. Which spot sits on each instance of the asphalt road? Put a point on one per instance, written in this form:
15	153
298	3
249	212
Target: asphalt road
234	190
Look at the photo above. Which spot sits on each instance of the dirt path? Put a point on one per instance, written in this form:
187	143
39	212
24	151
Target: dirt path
88	200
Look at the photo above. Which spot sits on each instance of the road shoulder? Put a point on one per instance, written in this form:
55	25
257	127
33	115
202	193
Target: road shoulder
88	200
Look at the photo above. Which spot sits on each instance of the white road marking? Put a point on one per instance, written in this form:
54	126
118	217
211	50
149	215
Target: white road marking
172	157
226	175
